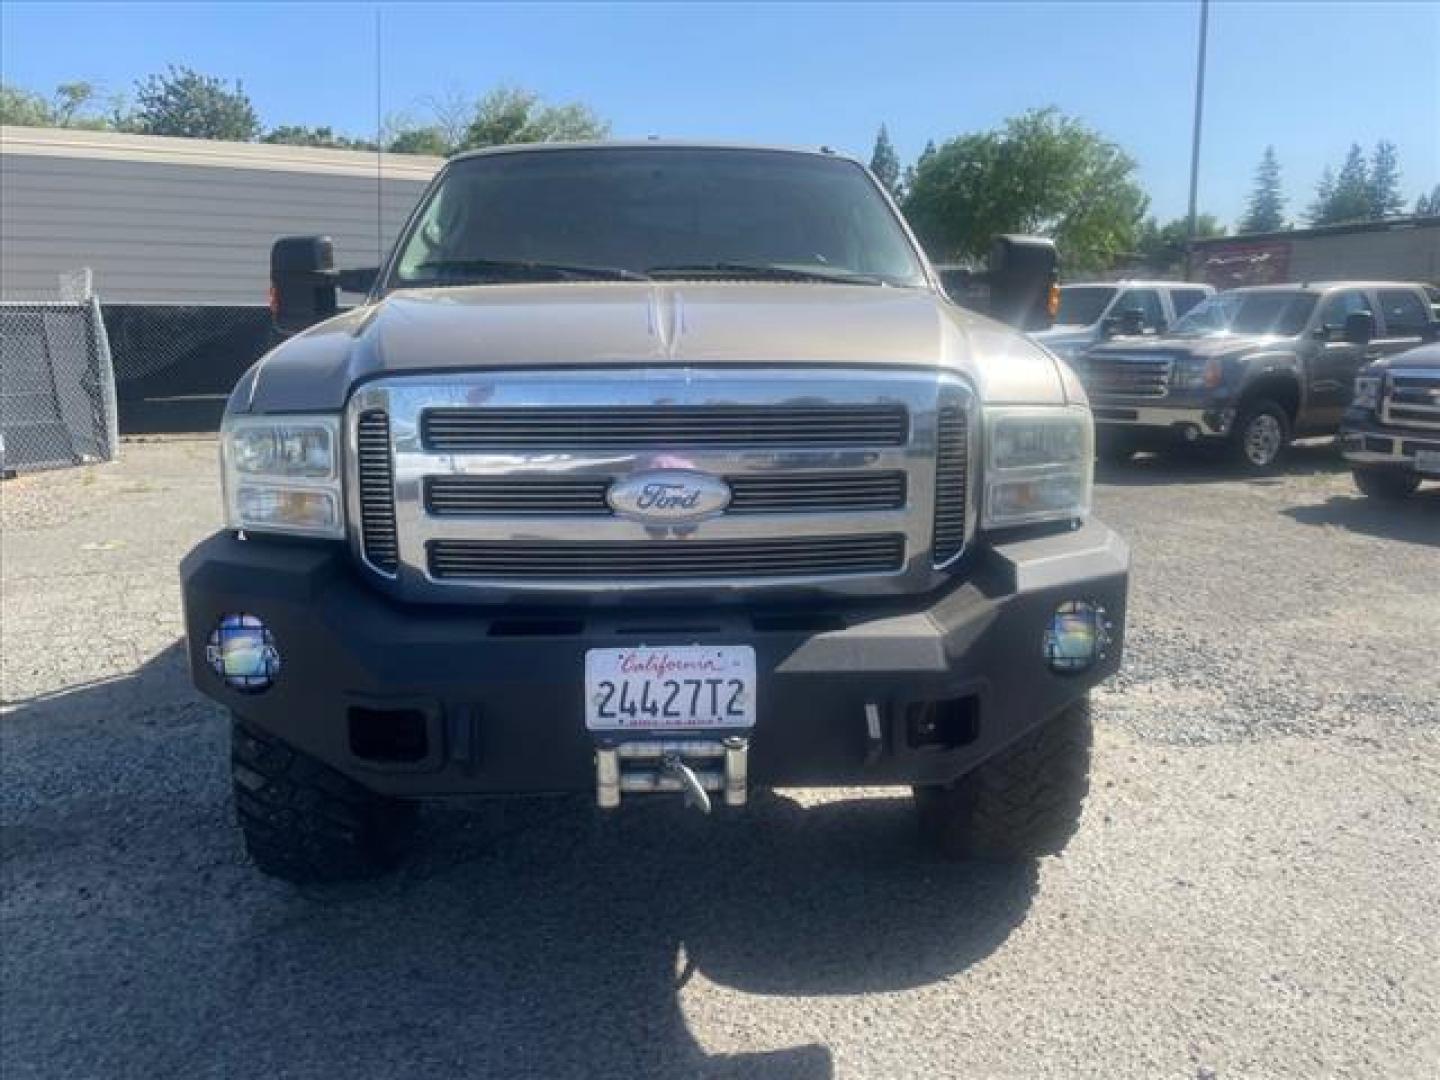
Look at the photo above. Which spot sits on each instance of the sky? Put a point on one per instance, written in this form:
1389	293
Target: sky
1311	78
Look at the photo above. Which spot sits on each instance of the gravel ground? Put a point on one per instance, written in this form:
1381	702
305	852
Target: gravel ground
1254	892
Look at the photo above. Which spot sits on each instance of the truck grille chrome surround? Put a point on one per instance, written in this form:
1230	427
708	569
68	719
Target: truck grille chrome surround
376	491
810	513
1411	398
1125	376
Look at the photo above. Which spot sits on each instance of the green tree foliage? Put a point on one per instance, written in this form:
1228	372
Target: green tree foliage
1266	210
1427	205
1162	248
301	135
24	108
885	163
1346	196
1384	191
511	115
186	103
428	139
1042	172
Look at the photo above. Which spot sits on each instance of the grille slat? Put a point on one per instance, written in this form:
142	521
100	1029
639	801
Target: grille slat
503	429
1126	376
951	453
650	560
377	492
1412	400
799	493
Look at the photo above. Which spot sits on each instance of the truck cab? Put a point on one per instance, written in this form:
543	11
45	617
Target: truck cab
652	468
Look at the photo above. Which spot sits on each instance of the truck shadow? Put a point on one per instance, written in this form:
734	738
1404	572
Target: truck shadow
1415	520
523	938
1204	465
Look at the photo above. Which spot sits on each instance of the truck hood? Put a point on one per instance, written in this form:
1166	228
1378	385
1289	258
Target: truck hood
1212	346
647	324
1424	356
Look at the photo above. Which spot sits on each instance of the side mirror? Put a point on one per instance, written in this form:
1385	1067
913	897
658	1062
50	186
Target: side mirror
1022	277
1132	321
1359	327
360	280
302	282
1109	326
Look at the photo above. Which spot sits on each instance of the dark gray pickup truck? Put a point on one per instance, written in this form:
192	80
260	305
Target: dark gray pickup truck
1250	368
1391	432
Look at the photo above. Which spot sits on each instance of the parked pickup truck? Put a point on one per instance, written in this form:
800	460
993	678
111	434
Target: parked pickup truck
1251	368
648	468
1391	432
1093	313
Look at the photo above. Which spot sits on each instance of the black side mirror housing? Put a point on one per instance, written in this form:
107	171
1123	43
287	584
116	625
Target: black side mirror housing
1022	276
1132	321
1359	327
302	282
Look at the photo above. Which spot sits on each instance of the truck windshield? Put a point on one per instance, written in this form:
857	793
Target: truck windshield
1281	313
1082	305
675	212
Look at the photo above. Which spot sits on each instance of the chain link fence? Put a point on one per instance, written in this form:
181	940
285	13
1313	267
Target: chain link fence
176	364
57	388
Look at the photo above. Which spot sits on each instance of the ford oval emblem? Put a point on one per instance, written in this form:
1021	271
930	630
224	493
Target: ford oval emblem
665	496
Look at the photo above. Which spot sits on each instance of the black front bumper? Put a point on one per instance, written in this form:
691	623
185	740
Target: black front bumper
500	691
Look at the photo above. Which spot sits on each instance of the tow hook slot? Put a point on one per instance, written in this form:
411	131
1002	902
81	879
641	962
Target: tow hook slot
697	768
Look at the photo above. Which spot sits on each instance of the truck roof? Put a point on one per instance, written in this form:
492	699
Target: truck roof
1141	283
1325	286
652	144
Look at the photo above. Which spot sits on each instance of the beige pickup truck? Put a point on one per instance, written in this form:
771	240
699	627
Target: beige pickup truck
648	468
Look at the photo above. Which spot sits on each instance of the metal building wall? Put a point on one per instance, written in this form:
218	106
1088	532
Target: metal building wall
185	221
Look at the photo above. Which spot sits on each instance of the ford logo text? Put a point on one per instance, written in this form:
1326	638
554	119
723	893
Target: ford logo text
667	496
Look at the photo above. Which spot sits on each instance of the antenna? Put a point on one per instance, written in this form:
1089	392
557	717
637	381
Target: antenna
379	154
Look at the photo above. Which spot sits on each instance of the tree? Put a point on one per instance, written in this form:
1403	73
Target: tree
186	103
419	140
301	135
511	115
24	108
908	181
1345	197
1384	192
1162	248
1266	211
1042	172
1427	205
885	163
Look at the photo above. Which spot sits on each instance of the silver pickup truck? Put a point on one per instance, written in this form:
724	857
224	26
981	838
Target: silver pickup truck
1251	368
653	468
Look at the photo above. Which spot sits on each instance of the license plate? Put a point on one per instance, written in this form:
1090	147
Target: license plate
1427	461
670	687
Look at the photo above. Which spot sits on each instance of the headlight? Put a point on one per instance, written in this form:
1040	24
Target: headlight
1367	391
282	474
1196	373
1038	465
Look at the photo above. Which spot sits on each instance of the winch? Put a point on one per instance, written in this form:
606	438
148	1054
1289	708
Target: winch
694	766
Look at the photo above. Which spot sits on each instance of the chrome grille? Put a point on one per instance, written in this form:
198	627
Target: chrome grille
1126	376
793	557
1412	398
782	494
377	494
951	495
487	506
499	429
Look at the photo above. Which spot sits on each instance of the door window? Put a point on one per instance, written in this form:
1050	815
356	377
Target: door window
1405	314
1185	299
1338	307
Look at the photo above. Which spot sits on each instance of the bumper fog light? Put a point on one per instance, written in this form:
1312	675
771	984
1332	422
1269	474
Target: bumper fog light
1078	636
242	652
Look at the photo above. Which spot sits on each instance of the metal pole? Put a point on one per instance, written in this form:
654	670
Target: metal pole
1195	137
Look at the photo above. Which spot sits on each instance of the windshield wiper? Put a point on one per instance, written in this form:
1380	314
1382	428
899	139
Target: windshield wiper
449	270
763	271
